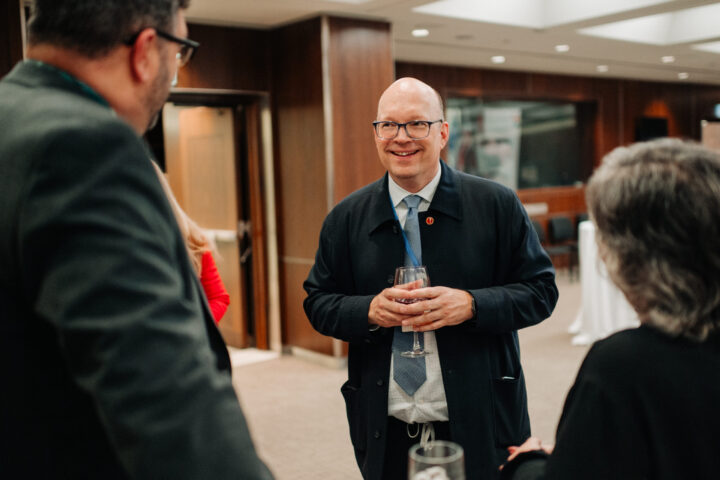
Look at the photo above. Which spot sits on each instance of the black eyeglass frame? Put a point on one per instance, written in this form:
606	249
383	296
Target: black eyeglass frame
183	58
404	125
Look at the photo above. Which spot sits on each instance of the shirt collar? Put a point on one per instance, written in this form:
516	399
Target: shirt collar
397	193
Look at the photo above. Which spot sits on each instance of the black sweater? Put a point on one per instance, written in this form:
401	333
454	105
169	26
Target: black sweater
643	406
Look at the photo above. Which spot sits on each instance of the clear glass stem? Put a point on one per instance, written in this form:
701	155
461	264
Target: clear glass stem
416	341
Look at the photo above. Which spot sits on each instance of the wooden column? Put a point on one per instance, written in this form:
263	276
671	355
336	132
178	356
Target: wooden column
328	74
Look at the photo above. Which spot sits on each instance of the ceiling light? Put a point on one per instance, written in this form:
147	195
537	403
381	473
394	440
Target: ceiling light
668	59
562	48
497	59
530	13
683	75
602	68
712	47
680	26
420	32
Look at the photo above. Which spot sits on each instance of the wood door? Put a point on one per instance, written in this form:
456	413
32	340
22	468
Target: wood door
200	162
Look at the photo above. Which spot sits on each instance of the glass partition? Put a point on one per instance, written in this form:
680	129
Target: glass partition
521	144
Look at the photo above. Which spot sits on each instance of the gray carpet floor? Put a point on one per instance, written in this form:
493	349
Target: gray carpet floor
297	415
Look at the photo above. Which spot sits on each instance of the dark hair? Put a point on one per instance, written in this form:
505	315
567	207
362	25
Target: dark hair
94	27
657	210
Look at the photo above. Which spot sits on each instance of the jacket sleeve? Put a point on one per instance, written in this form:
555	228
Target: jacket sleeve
329	305
100	252
524	293
217	296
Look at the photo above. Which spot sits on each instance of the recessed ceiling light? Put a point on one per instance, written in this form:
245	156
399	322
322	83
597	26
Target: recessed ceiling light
679	26
562	48
668	59
497	59
712	47
602	68
683	75
420	32
531	13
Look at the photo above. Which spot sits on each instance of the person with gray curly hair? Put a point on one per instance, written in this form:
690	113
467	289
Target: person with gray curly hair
657	210
644	404
113	367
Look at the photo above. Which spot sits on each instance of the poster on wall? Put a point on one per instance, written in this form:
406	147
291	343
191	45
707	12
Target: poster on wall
486	142
520	144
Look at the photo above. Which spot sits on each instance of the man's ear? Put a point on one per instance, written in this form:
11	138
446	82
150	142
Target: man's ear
144	56
444	133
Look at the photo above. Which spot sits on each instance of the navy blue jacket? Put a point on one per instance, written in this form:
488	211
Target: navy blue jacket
482	241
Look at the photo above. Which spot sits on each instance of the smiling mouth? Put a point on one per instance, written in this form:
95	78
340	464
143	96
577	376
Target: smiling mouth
405	154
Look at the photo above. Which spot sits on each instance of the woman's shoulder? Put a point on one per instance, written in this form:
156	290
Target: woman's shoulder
623	354
645	352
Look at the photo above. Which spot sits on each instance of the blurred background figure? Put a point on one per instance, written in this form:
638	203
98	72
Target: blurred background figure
200	249
466	157
644	404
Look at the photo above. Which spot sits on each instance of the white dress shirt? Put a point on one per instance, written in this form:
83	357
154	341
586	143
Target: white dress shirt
429	403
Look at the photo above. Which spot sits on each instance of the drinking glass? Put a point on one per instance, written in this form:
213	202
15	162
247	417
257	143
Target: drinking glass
437	460
405	275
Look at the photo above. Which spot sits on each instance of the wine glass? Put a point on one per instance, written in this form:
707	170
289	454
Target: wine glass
405	275
436	460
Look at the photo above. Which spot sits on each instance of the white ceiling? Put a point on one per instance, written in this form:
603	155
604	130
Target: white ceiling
525	32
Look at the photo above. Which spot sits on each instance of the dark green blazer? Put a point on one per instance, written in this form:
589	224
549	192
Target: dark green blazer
112	366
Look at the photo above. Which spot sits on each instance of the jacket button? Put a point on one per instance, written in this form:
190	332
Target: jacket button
390	279
380	383
376	434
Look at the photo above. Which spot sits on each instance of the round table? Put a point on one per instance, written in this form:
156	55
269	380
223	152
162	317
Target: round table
604	308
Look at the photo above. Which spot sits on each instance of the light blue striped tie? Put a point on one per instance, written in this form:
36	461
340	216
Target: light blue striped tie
409	373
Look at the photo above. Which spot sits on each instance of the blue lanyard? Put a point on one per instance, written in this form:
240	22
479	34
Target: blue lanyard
408	248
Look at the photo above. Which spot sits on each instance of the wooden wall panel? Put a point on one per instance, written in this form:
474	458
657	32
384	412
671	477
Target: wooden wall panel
674	102
300	169
228	58
10	35
361	68
328	74
608	124
300	137
559	86
298	330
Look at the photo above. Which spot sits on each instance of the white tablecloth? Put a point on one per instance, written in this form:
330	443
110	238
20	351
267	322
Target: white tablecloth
604	308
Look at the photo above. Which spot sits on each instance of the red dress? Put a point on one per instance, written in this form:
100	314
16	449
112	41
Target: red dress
215	291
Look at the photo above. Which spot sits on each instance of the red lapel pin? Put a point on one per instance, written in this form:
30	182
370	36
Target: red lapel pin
429	220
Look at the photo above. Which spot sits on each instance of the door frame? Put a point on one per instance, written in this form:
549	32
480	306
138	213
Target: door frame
257	142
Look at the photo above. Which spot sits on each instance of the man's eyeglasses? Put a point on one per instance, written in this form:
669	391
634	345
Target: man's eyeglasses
415	130
187	46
